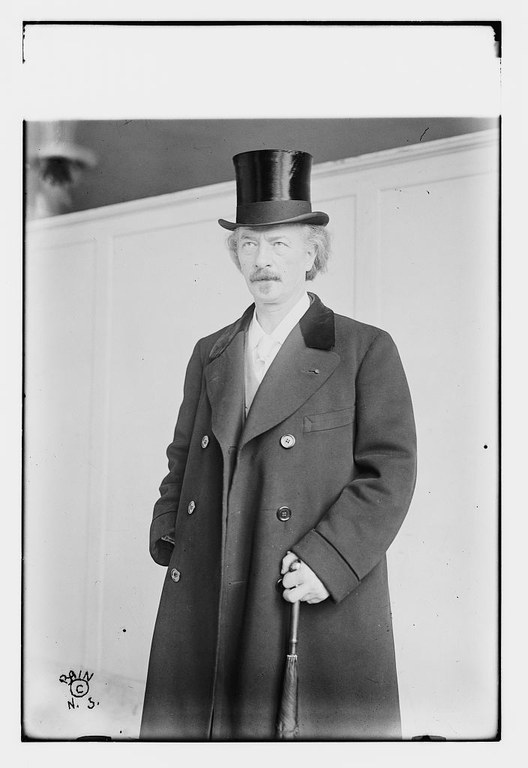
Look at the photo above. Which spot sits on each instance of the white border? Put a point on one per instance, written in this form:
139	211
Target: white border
514	108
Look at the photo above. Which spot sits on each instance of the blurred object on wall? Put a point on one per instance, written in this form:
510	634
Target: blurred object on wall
55	166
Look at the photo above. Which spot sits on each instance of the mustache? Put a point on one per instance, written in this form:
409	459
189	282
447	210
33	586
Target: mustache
263	274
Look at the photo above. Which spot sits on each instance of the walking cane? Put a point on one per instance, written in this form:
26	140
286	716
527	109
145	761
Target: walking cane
288	719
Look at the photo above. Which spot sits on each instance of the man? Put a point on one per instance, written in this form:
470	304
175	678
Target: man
295	443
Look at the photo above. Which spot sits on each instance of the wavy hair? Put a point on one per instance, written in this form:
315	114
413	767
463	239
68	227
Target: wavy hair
316	236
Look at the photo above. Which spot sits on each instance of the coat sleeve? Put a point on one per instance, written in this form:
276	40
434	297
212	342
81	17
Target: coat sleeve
166	508
354	534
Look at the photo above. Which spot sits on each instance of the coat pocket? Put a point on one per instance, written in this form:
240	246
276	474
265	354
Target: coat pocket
330	420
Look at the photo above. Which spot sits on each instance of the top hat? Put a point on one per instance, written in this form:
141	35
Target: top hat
273	187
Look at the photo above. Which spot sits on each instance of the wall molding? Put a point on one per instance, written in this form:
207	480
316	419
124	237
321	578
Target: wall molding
477	140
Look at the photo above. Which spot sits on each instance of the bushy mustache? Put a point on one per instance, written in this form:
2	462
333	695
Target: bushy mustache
262	274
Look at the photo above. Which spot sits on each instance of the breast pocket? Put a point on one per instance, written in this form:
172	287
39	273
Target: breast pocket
329	420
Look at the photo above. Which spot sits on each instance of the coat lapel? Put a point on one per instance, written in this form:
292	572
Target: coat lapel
303	364
296	373
225	388
224	377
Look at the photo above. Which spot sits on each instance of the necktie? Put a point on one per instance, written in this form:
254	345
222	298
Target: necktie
265	348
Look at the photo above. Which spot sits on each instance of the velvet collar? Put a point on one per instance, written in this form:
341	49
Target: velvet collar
317	327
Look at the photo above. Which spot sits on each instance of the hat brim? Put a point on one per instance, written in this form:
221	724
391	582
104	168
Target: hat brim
316	217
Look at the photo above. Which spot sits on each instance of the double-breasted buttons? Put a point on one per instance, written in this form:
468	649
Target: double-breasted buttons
287	441
175	574
205	441
191	507
283	514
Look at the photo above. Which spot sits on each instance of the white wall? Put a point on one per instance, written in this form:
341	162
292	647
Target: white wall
115	300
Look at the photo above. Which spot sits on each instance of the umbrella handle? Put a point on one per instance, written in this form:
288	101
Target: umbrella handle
294	614
294	626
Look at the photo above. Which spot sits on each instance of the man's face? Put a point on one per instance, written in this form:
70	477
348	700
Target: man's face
274	261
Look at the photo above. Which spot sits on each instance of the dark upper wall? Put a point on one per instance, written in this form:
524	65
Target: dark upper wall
142	158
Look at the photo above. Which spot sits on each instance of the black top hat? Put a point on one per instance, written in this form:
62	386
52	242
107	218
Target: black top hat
273	187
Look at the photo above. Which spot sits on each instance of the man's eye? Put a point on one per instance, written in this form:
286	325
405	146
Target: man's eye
279	242
248	244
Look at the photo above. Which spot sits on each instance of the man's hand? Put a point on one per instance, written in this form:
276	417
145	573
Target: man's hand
302	583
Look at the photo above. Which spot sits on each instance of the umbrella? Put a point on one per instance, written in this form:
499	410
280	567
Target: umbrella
287	721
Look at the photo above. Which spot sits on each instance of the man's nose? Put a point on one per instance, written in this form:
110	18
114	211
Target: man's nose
263	256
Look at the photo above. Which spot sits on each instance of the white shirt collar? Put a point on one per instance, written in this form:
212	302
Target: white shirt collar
284	328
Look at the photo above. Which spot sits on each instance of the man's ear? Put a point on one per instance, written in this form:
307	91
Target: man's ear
310	258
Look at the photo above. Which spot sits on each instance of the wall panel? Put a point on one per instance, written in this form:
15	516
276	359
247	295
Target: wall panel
438	238
60	288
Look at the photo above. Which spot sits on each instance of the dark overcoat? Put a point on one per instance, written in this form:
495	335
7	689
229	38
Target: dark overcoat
237	498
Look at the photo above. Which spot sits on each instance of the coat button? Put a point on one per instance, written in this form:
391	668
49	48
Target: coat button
191	507
175	574
205	441
287	441
283	514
